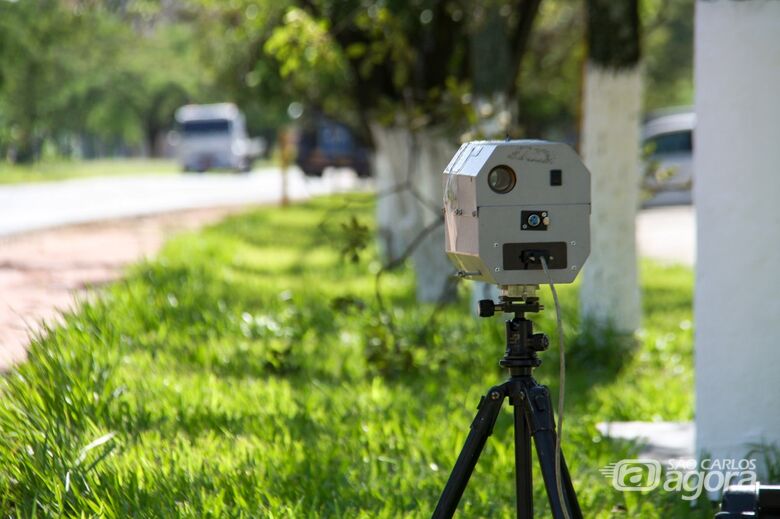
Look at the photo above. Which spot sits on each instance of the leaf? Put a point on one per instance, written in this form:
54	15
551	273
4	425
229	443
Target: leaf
357	50
93	444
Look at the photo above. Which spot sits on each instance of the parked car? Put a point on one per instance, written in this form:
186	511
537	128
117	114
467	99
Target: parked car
324	143
214	136
667	139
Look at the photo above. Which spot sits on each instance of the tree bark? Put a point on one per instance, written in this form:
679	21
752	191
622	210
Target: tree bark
736	189
396	209
151	131
408	168
610	148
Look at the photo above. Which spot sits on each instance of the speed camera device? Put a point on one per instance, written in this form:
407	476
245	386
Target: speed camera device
507	204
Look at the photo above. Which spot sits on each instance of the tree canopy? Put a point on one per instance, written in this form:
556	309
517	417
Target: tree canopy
83	76
102	70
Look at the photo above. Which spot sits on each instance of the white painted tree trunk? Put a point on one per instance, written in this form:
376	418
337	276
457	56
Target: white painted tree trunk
400	215
737	197
396	211
610	148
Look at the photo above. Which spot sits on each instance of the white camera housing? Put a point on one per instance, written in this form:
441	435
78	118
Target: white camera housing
508	202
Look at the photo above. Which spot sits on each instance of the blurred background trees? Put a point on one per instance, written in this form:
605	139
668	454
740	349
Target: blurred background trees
102	77
91	78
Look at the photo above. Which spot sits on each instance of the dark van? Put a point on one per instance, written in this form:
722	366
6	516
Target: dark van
326	143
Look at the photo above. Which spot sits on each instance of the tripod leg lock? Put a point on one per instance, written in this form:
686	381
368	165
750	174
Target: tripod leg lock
539	409
488	407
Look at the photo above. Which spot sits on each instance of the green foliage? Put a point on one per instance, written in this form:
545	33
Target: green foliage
229	44
401	63
242	374
70	70
98	77
383	46
768	455
313	67
48	170
552	72
355	238
668	54
613	36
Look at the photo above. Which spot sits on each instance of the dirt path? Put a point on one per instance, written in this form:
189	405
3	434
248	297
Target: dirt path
44	271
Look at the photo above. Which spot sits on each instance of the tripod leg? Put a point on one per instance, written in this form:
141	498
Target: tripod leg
568	489
523	474
540	418
481	428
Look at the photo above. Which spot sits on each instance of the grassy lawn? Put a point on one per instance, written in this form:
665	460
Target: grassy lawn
46	171
247	372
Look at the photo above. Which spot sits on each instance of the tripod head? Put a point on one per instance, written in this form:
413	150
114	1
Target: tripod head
517	305
522	344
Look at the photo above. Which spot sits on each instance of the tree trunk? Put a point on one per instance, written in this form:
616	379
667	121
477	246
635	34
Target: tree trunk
736	189
396	208
151	131
408	168
610	148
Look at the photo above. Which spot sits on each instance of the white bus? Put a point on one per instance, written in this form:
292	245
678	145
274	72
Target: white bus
213	136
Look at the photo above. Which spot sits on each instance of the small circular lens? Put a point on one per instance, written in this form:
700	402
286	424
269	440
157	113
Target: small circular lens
534	220
501	179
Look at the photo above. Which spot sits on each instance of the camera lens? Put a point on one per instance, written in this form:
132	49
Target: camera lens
501	179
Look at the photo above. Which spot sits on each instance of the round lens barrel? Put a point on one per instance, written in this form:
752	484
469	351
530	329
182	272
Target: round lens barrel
501	179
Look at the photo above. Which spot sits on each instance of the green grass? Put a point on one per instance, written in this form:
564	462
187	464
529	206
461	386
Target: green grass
50	170
246	372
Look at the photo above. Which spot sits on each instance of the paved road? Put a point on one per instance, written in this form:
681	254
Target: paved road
30	207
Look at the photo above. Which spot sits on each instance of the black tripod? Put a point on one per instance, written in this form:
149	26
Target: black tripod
533	419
